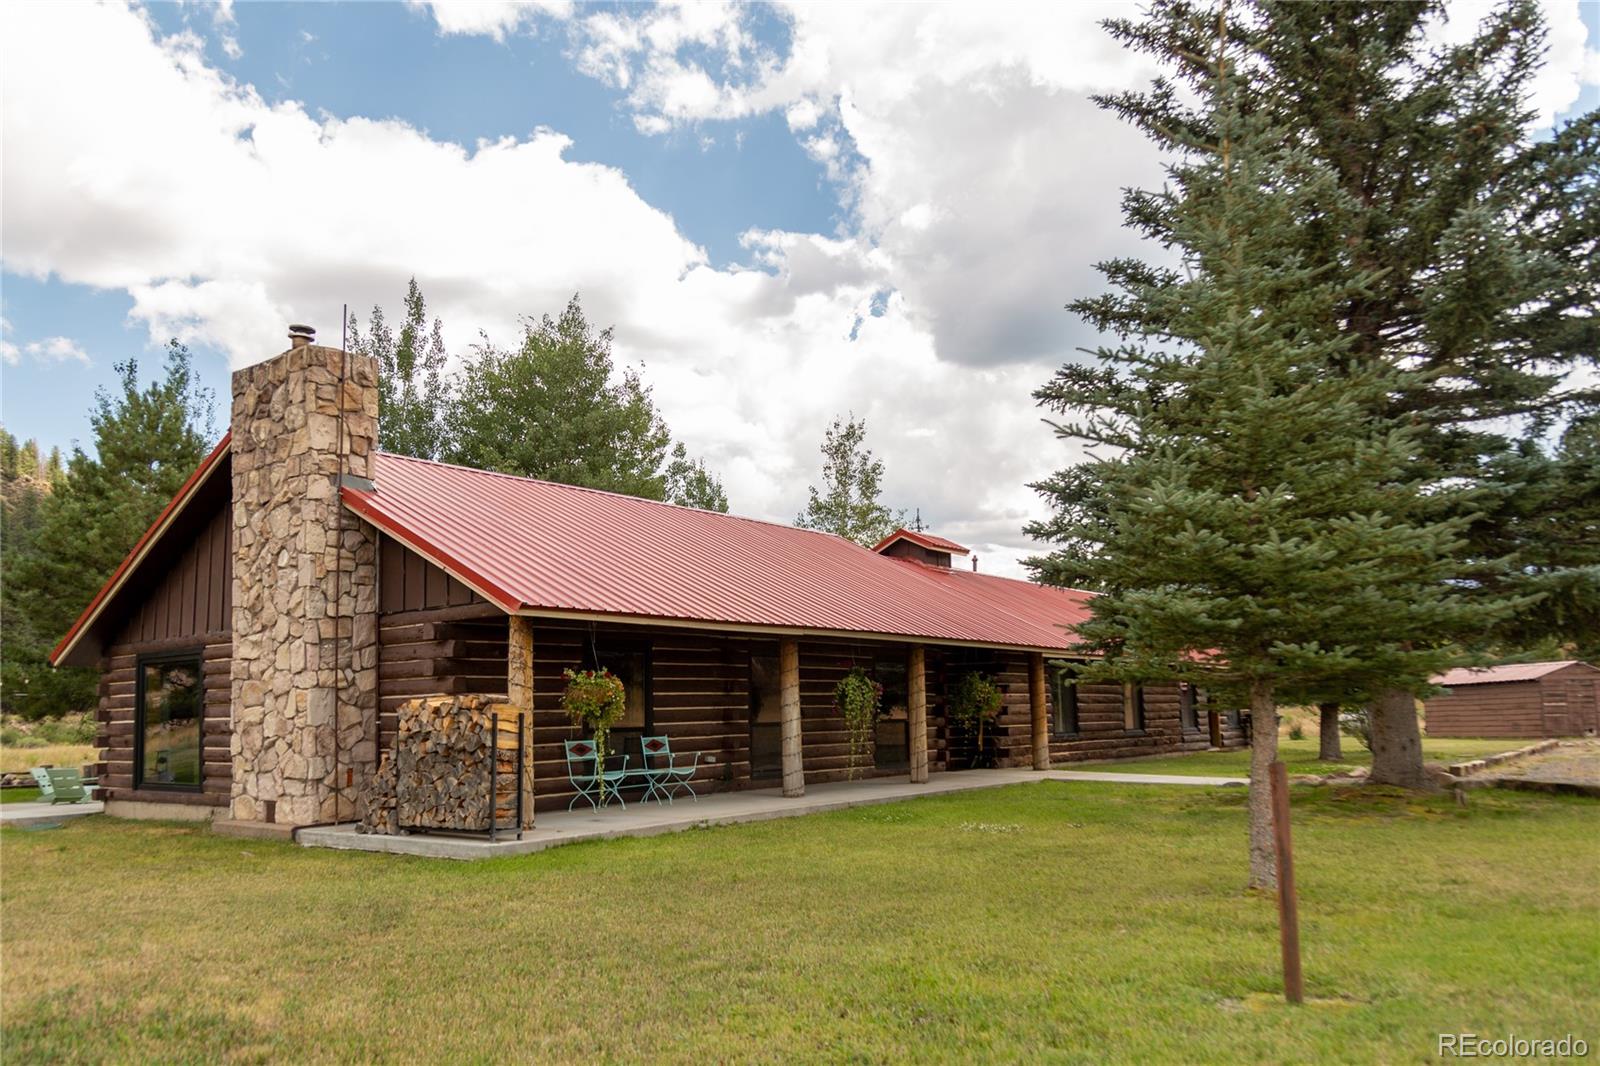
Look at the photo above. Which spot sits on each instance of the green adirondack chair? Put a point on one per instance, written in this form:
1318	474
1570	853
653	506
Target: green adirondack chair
60	784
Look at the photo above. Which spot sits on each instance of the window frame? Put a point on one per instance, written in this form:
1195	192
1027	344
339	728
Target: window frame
1133	709
1062	678
599	648
1189	707
197	656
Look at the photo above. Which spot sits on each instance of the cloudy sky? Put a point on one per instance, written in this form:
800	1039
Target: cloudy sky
787	213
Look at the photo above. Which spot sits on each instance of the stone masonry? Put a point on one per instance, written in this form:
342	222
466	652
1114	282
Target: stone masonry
305	647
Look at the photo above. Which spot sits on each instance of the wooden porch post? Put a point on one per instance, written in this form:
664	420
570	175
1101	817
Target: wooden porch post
794	770
519	691
1041	718
917	712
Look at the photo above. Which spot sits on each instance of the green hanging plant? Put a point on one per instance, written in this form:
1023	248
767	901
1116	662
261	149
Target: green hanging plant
857	697
595	700
973	703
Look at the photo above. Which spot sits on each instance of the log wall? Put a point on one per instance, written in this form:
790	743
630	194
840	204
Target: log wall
118	722
186	606
1102	732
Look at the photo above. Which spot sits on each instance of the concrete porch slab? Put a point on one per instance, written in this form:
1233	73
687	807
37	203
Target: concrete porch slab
555	828
23	814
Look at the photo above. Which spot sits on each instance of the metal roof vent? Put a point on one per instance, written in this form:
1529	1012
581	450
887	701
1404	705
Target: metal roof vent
300	336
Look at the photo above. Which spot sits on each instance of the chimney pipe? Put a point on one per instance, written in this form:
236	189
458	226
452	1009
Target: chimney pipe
300	336
974	564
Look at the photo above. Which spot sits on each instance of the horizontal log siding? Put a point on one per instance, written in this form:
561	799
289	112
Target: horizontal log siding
825	743
118	724
699	697
1505	709
700	691
445	657
1101	733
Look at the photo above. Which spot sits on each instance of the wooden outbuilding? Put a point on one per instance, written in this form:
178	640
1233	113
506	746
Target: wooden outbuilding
1549	699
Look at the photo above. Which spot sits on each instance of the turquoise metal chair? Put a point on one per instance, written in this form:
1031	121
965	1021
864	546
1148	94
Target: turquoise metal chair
584	753
666	780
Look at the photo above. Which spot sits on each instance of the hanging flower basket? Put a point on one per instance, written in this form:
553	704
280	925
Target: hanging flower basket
595	700
857	698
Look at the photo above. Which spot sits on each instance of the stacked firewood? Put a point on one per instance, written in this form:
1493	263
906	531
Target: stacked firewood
438	775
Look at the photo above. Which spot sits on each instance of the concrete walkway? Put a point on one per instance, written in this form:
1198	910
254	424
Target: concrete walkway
555	828
23	814
1142	779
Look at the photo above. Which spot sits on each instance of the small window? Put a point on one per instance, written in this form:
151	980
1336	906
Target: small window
1064	702
170	706
1133	707
1188	712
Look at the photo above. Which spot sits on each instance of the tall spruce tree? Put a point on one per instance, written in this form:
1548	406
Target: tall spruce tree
852	478
146	443
26	483
413	391
1478	241
1264	529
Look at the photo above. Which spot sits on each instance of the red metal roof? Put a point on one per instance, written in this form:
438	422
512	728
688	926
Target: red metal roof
926	540
125	568
1485	675
539	547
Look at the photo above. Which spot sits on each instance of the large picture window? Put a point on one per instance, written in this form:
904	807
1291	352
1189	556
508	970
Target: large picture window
170	708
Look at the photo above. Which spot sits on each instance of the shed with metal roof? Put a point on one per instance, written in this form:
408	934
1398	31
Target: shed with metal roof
1559	698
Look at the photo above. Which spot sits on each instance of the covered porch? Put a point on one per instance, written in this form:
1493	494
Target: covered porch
752	712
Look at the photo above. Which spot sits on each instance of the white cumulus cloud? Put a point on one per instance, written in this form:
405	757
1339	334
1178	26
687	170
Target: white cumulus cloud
146	170
57	350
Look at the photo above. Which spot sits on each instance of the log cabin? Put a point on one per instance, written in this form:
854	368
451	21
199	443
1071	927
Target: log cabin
255	644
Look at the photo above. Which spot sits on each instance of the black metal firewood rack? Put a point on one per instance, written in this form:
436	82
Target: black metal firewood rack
494	828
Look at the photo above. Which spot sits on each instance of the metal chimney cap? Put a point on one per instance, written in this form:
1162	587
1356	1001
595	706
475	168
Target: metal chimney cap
300	336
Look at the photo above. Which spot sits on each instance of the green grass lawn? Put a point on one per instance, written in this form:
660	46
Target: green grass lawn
1058	921
1299	756
18	795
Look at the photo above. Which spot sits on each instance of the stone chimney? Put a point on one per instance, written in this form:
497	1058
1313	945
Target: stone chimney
305	647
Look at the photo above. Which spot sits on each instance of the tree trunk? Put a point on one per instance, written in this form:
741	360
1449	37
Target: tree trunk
1328	748
1263	753
1396	741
